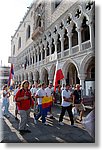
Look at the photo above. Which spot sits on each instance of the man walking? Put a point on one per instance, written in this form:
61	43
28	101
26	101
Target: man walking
66	105
39	95
77	101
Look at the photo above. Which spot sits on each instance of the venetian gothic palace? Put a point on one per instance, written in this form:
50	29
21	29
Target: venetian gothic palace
52	30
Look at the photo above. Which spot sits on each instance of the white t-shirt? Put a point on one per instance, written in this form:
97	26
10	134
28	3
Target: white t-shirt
5	98
48	91
33	91
66	95
40	92
5	92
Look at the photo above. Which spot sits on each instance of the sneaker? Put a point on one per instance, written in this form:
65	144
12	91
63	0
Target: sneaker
74	125
22	132
61	123
51	117
46	123
27	131
16	119
7	116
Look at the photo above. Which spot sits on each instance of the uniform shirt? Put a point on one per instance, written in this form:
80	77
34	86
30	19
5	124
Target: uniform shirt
40	92
65	94
23	104
48	91
35	90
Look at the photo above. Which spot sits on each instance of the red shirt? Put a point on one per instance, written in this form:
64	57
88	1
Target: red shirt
23	104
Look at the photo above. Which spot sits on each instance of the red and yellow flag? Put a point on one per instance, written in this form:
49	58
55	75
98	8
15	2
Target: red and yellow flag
46	101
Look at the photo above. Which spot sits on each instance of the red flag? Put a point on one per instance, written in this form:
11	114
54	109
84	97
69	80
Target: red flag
11	76
58	75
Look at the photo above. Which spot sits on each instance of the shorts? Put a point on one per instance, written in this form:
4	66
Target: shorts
80	107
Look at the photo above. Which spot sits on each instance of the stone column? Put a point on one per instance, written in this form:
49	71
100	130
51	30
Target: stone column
50	78
24	76
32	57
29	77
92	39
62	45
55	42
70	42
82	82
50	42
41	51
34	77
37	55
79	38
45	45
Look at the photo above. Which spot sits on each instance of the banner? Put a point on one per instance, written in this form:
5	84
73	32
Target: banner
46	101
11	76
58	75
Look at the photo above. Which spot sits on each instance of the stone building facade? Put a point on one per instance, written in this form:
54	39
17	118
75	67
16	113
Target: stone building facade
4	75
61	30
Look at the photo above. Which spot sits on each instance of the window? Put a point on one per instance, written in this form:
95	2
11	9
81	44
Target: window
47	49
52	47
74	36
66	41
57	2
58	44
85	32
43	52
39	56
28	32
19	43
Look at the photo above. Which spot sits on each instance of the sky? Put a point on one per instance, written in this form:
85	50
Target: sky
11	13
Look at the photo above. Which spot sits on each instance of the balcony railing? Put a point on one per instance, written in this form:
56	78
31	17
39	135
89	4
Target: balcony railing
59	55
86	45
75	49
37	31
56	55
66	53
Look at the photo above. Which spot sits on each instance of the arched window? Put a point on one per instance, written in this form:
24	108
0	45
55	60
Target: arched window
33	58
74	36
36	58
85	34
28	32
52	47
47	49
58	44
66	40
38	22
57	2
39	55
19	43
43	53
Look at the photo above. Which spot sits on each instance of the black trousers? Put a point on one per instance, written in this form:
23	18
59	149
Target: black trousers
69	110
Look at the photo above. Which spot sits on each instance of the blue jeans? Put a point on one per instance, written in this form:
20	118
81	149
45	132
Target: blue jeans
42	112
5	105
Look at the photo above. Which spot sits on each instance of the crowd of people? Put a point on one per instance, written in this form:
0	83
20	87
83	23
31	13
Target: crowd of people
28	97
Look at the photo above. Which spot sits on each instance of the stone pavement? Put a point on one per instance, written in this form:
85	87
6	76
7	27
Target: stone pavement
53	133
